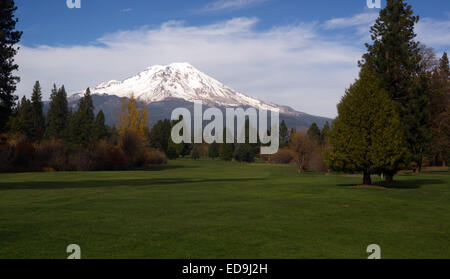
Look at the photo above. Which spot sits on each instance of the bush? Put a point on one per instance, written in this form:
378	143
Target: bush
134	147
81	160
108	156
226	152
213	150
172	152
53	154
317	160
244	153
24	155
283	156
195	155
6	156
155	157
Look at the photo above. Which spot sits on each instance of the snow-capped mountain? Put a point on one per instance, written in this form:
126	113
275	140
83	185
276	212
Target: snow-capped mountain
180	81
164	88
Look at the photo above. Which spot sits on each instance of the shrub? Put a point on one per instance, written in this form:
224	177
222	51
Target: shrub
24	154
6	156
244	153
53	154
155	157
108	156
172	152
226	152
195	155
81	160
133	146
283	156
213	151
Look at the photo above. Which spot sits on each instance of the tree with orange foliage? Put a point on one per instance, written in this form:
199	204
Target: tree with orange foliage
302	146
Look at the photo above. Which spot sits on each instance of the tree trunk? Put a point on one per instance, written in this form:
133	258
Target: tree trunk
444	163
367	180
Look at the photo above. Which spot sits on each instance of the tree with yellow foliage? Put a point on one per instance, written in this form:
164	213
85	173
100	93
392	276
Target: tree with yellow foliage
132	118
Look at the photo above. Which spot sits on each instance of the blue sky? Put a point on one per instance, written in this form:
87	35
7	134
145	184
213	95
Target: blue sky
292	52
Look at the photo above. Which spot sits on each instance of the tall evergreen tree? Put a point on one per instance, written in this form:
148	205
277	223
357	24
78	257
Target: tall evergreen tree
160	135
440	103
325	133
213	150
367	135
395	57
314	133
37	113
82	123
58	114
100	129
284	134
21	122
9	37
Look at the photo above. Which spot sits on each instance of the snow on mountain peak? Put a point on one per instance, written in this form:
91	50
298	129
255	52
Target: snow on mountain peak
178	80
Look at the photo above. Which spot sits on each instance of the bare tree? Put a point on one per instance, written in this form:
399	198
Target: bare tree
302	146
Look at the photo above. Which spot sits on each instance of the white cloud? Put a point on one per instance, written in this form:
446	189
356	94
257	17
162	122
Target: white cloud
434	33
221	5
363	19
289	65
127	10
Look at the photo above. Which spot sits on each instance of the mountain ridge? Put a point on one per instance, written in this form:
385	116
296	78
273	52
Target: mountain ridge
179	82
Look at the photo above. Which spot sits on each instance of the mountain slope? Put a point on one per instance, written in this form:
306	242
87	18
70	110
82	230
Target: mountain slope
159	87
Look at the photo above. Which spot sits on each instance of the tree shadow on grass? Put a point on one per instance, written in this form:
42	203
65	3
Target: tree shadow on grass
50	185
402	184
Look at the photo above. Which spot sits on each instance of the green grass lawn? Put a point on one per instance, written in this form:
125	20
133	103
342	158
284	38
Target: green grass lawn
214	209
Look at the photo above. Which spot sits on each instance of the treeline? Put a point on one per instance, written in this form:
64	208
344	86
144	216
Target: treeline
67	139
160	138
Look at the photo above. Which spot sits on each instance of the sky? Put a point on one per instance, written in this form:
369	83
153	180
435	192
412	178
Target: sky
299	53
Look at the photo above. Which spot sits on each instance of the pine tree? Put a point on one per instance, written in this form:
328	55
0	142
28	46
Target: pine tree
82	123
100	129
213	150
440	103
160	135
284	134
37	113
22	122
314	133
58	114
367	135
325	133
226	151
9	37
395	57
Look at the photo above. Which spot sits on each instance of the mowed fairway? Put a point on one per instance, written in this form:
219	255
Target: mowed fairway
214	209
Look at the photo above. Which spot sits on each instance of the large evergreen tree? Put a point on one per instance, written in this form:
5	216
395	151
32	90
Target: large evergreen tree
325	133
9	37
160	135
395	57
21	121
100	129
314	133
284	134
440	103
58	114
38	118
367	135
82	123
